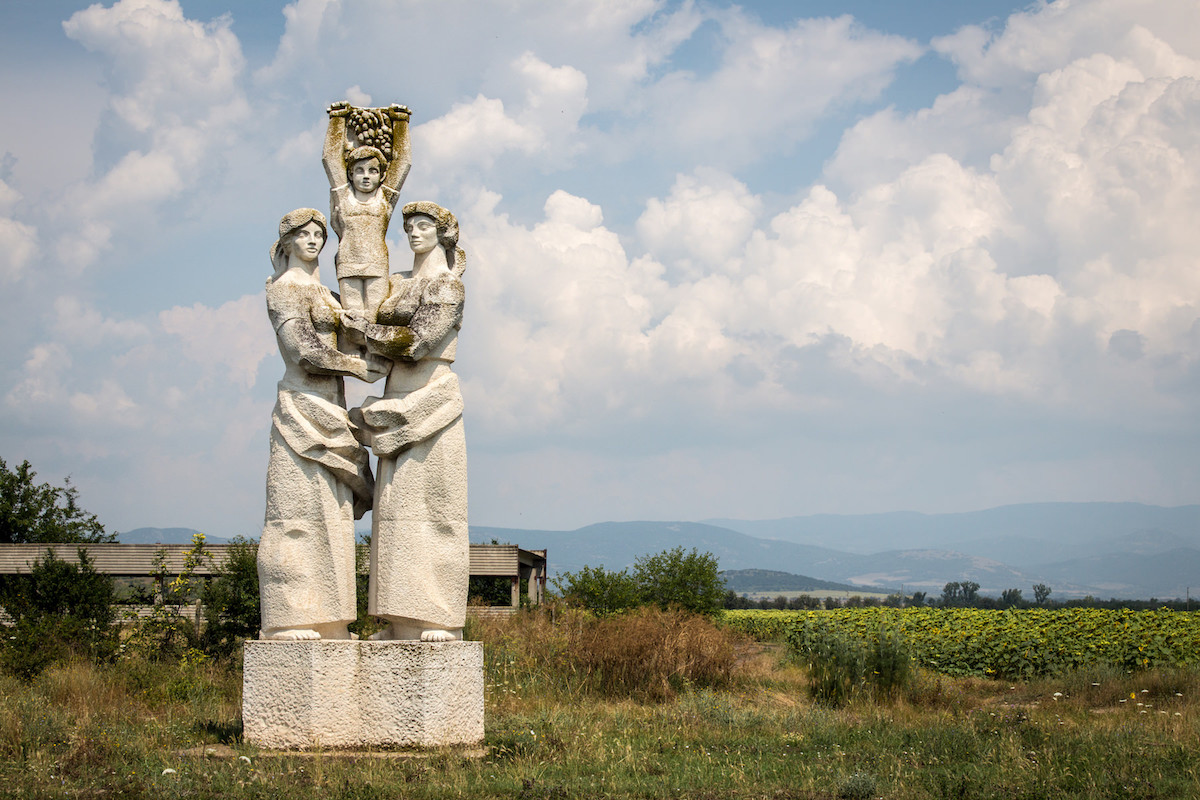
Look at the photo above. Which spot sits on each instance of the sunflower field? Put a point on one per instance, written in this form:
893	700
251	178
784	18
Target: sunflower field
1014	643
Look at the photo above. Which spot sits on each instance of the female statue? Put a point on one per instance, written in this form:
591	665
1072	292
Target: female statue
318	476
419	544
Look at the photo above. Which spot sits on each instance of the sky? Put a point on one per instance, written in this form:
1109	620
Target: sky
724	260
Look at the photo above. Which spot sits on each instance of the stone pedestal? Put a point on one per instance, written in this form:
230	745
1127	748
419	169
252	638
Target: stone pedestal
356	694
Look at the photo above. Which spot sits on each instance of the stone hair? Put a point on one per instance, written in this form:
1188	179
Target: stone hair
292	222
447	223
362	154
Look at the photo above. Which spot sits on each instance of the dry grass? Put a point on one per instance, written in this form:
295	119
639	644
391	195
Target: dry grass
139	730
646	654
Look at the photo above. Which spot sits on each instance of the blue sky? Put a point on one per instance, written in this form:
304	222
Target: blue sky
749	261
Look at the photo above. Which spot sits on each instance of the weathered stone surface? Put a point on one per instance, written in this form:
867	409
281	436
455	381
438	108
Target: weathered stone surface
419	541
318	477
351	694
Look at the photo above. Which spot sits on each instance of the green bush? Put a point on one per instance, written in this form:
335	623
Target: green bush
231	604
598	590
59	610
841	667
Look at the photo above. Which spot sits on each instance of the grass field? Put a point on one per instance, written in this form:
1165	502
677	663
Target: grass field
136	729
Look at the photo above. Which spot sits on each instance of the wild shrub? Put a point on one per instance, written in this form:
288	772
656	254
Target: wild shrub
167	633
843	667
60	610
230	598
677	579
647	654
598	590
889	664
674	578
837	668
653	654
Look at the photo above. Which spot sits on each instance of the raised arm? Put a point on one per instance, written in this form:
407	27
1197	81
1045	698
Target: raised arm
401	162
334	157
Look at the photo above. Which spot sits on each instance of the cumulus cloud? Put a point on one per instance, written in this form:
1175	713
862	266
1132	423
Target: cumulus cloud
229	341
18	241
174	81
1022	246
771	86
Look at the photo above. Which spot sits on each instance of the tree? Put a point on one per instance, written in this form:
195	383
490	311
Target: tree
1041	593
675	578
1011	597
970	592
33	513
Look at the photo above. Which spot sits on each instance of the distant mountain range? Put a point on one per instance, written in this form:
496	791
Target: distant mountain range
165	536
1124	550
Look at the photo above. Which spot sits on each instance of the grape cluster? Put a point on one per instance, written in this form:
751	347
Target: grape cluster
372	128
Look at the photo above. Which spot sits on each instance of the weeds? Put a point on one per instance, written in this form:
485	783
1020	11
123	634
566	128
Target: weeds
648	654
842	668
139	728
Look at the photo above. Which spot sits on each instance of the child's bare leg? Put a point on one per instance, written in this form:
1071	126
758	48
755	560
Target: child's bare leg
351	290
375	291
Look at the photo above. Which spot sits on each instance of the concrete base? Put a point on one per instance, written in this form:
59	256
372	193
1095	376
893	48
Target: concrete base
339	694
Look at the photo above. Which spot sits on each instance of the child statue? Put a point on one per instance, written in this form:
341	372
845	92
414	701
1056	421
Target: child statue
364	185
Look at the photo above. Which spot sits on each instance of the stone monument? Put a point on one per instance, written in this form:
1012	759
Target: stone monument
309	682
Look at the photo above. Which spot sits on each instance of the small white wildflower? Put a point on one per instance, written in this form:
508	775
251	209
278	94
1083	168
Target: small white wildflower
168	771
244	758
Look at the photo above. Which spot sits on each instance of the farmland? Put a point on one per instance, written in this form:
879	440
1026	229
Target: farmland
1022	643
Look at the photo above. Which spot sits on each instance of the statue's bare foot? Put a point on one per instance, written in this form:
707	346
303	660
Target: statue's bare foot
290	634
441	635
333	630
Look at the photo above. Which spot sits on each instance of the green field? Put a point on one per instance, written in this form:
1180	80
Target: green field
555	730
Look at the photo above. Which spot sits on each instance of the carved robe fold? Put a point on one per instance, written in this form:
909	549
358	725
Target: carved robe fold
419	540
318	477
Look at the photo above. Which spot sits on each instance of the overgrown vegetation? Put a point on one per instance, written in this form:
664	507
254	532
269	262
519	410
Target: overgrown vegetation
648	654
231	602
171	729
59	611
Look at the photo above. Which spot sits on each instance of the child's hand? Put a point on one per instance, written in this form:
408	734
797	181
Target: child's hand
399	113
339	109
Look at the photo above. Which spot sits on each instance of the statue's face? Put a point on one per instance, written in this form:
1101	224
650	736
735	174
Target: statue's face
422	233
365	174
305	243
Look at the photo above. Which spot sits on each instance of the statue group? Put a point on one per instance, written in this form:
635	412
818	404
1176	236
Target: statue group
402	328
